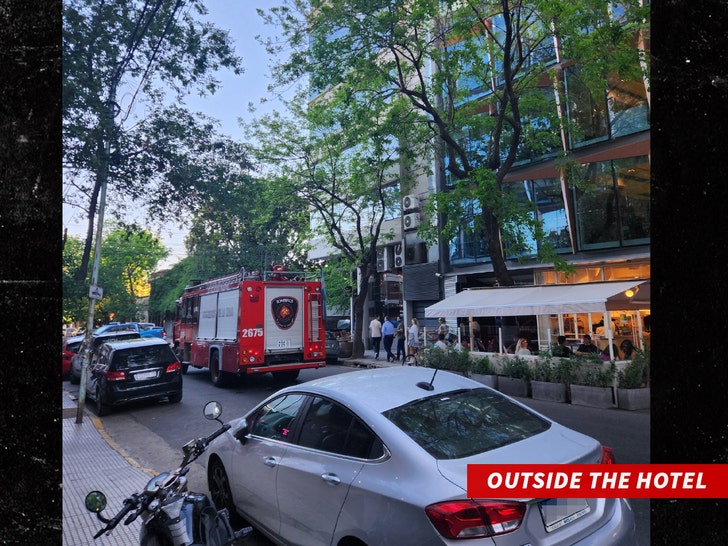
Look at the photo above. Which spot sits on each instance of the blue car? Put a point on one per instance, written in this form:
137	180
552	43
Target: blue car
145	329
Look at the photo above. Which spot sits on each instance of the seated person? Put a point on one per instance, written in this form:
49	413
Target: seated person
587	347
604	353
440	343
521	347
627	348
561	349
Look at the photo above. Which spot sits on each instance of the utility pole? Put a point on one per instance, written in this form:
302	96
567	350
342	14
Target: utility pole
93	289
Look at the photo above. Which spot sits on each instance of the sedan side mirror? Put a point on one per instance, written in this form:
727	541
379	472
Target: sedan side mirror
242	432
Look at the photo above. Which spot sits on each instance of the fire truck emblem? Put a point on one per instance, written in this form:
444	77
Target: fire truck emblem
285	309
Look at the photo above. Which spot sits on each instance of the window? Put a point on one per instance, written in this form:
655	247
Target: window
275	419
613	207
464	423
328	426
587	114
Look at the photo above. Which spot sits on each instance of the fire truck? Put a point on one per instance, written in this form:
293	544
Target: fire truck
252	323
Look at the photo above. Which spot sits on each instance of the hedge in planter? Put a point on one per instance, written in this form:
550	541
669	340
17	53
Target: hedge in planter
451	360
546	383
593	383
484	372
514	378
632	382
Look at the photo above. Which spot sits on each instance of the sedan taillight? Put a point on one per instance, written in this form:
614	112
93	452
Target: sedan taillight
173	367
476	518
607	455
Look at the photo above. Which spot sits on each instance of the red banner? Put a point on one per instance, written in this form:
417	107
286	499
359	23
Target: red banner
598	481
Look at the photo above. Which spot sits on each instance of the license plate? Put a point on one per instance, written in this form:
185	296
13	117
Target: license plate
559	512
141	376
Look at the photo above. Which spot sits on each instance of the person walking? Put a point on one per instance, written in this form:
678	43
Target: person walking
413	337
399	338
375	332
388	330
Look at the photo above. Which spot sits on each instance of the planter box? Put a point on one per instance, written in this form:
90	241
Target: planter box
513	387
633	399
545	390
596	397
487	380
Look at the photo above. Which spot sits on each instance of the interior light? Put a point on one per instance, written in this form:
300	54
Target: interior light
630	292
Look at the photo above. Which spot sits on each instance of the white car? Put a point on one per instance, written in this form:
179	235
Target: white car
377	456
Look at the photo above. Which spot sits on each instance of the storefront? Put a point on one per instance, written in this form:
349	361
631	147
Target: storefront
610	311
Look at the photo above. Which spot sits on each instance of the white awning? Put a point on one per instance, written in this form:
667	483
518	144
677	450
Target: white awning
595	297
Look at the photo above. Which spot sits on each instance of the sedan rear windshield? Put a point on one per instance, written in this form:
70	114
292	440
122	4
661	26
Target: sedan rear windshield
464	423
142	357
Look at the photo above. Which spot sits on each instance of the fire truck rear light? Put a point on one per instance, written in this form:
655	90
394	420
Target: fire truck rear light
475	518
254	298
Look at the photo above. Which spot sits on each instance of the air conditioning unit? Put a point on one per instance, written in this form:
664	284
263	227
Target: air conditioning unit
399	254
384	259
410	202
416	254
411	221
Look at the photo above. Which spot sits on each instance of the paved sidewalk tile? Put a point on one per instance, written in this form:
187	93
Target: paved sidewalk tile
90	462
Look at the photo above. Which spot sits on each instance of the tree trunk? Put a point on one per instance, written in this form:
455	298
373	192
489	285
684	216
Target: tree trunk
495	248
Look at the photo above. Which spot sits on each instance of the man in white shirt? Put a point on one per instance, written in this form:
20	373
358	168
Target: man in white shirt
375	331
440	343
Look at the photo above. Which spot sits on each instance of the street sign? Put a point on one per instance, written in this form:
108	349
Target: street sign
95	292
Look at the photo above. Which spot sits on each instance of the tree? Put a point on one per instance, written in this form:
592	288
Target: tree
75	294
129	254
341	157
480	73
146	50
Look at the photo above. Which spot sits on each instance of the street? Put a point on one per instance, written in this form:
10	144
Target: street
153	433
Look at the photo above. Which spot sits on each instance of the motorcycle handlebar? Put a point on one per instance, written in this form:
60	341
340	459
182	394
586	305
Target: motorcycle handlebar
215	434
129	504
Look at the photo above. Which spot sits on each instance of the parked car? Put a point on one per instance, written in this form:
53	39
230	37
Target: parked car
145	329
123	371
96	340
68	350
332	348
380	456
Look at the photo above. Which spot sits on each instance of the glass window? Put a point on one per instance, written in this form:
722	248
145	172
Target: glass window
552	212
627	103
596	208
328	426
275	419
613	205
463	423
633	195
587	114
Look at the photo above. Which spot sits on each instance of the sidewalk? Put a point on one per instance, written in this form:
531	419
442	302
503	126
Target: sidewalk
91	461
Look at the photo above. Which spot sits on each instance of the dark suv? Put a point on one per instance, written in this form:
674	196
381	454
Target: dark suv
96	340
134	369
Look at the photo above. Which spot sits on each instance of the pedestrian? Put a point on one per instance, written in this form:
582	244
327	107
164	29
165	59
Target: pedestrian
443	328
399	338
413	337
375	331
388	329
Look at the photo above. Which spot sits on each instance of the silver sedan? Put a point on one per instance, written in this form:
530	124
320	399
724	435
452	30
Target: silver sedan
377	457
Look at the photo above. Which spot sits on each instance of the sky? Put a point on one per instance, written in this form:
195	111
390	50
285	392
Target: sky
229	103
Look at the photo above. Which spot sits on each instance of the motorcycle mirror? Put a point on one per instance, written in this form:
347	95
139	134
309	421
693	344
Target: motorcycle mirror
212	410
95	501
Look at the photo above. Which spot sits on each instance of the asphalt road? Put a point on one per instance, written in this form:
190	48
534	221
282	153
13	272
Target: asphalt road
153	433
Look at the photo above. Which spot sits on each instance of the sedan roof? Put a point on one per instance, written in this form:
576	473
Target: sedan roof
136	342
380	389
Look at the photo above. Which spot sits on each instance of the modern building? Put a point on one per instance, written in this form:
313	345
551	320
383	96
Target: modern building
595	214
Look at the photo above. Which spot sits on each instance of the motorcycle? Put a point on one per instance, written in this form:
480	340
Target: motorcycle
172	515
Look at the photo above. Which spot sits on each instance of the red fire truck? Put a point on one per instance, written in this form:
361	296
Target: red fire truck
251	323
